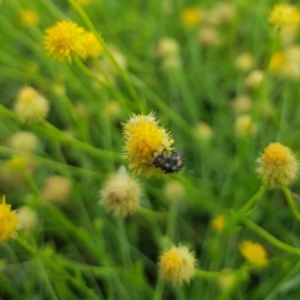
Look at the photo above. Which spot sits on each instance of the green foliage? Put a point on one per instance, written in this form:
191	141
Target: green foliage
78	250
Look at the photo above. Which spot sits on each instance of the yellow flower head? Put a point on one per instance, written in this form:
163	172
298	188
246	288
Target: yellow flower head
284	14
177	264
17	163
91	45
8	220
254	253
120	195
191	17
277	62
218	223
30	105
143	138
277	165
28	18
65	39
287	63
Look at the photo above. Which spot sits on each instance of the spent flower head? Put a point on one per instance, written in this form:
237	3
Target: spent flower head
65	39
57	189
177	264
277	166
30	106
23	140
120	195
254	253
8	220
143	138
284	14
27	217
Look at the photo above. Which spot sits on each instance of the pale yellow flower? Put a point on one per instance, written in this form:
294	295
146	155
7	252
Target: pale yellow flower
177	264
277	165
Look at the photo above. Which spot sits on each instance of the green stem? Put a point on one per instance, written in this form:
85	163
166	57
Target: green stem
270	238
206	274
106	50
26	246
247	206
50	163
47	129
291	202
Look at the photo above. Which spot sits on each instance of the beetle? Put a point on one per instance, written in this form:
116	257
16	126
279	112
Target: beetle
169	163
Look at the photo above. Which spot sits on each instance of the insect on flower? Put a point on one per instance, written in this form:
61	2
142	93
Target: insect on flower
172	163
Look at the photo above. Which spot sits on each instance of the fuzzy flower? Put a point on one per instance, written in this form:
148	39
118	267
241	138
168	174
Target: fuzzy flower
254	253
191	17
120	195
30	105
254	79
143	138
91	45
166	47
277	165
65	39
8	220
209	36
284	14
245	61
24	141
218	223
244	125
204	131
28	18
57	189
174	191
27	217
177	264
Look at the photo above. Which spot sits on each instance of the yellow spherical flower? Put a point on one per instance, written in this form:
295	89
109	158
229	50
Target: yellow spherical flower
29	17
8	220
277	165
284	14
277	62
120	195
30	105
91	45
218	223
254	253
191	17
177	264
17	163
65	39
143	138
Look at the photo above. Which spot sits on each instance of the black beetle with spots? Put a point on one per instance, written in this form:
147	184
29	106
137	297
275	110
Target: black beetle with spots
169	163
